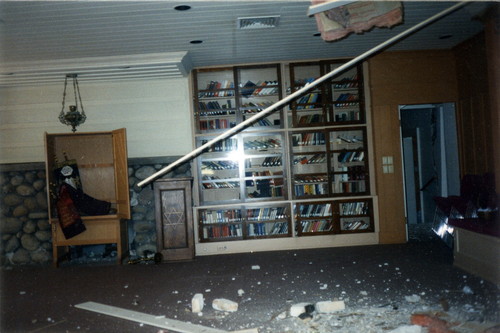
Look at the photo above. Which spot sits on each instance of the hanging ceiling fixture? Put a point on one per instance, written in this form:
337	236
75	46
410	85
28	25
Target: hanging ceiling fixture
73	117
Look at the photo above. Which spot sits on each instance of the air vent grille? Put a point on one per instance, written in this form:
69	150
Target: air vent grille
257	22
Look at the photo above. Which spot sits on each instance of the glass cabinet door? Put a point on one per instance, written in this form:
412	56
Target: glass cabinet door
307	110
258	88
215	102
264	171
219	171
349	161
309	164
346	96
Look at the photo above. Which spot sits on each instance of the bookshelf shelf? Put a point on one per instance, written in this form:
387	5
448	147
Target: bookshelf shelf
313	155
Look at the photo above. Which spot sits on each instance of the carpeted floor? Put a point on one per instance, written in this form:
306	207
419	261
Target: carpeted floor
379	280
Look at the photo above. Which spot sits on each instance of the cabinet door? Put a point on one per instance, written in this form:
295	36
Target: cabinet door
215	103
220	224
349	156
267	221
309	164
174	220
121	173
308	110
346	96
219	171
355	216
315	218
258	88
264	173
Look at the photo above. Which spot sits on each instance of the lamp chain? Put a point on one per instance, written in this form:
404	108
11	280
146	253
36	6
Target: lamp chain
61	115
79	97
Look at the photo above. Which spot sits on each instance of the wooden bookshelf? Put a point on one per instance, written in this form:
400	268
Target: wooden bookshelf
263	182
339	101
244	222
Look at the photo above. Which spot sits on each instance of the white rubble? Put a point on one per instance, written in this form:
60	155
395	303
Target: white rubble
222	304
407	329
197	303
298	308
329	306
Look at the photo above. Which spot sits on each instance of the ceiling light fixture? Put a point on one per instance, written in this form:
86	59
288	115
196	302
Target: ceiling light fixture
182	7
257	22
73	117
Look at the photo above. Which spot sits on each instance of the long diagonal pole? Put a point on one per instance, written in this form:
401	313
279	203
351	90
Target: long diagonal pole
241	126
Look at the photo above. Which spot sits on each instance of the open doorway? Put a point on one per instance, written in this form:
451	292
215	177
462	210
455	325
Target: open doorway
430	162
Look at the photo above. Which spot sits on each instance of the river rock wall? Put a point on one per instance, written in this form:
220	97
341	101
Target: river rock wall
25	231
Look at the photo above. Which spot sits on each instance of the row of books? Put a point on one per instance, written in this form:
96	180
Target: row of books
347	82
310	98
270	161
352	104
306	178
215	105
211	182
212	113
356	172
255	106
261	88
311	119
224	145
350	187
349	139
266	214
222	231
220	216
310	189
310	159
316	226
308	139
315	210
349	156
299	83
214	89
348	116
354	208
263	189
355	225
214	124
266	229
262	143
219	165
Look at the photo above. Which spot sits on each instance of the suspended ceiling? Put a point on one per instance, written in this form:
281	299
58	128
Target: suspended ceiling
39	34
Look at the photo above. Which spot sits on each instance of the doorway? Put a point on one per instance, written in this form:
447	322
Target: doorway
430	162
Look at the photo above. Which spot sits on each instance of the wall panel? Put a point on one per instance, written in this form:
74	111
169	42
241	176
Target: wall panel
156	114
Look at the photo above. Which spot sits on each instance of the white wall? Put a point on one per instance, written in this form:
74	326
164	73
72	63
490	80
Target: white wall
156	114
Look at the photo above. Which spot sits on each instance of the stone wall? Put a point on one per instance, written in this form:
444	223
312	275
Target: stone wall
24	226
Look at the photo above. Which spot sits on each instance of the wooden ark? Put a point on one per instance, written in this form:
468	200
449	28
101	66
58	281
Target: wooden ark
101	158
174	218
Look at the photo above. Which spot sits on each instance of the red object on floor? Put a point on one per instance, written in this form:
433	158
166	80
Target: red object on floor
433	323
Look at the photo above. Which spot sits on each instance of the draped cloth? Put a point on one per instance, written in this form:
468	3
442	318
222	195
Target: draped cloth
357	17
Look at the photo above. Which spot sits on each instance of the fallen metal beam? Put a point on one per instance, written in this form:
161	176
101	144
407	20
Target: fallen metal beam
241	126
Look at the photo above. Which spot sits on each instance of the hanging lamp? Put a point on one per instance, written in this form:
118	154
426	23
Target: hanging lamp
73	117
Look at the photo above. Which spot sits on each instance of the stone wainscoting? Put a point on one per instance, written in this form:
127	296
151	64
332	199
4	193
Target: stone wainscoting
24	225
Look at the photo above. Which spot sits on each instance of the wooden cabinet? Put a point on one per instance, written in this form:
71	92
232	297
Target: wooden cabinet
174	218
300	171
101	160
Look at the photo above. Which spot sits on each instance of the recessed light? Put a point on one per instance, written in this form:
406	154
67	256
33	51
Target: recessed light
182	7
196	41
445	36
